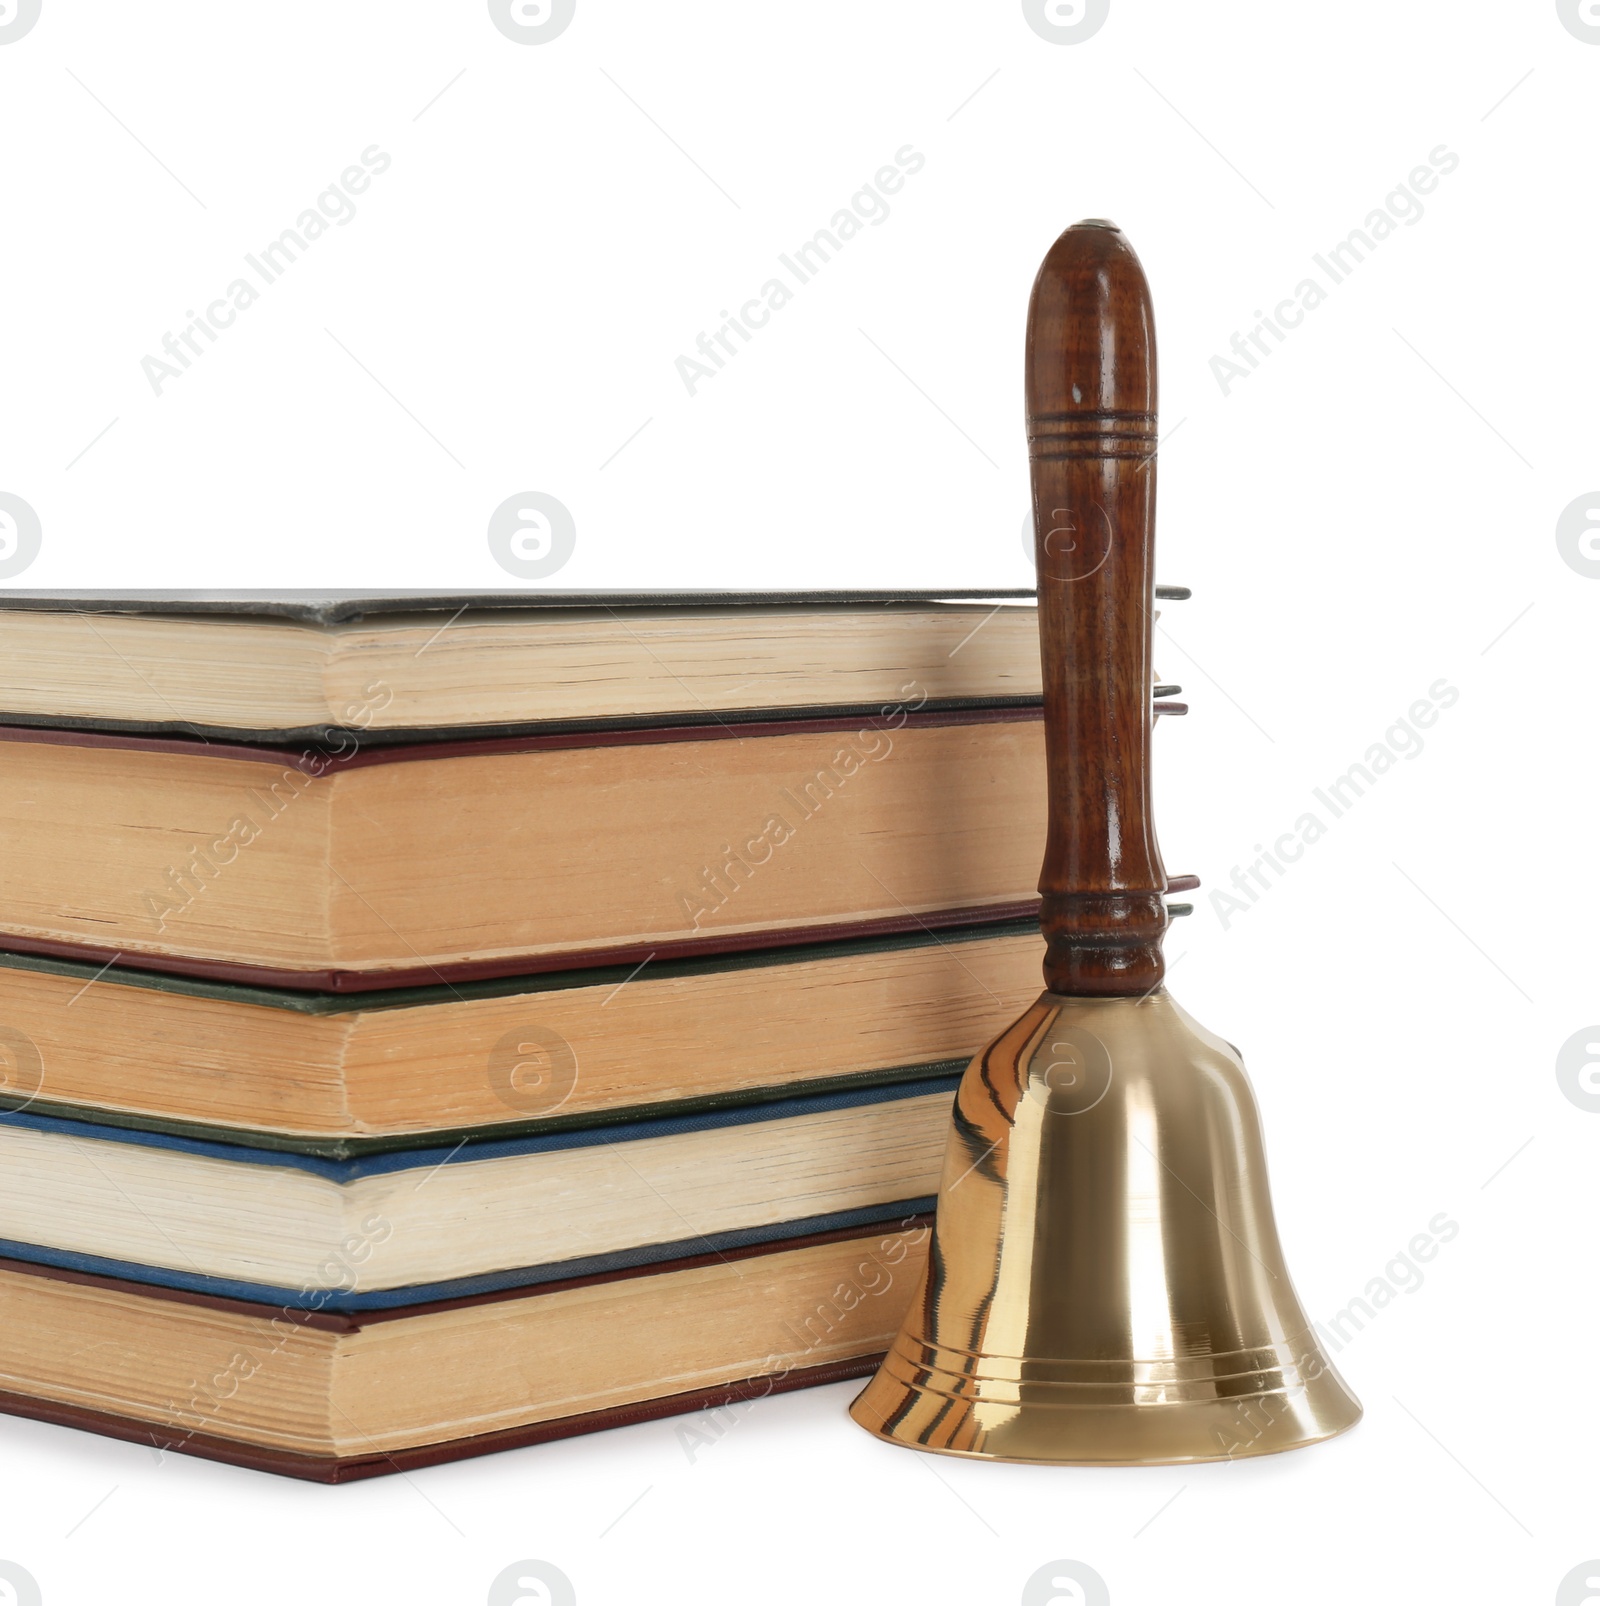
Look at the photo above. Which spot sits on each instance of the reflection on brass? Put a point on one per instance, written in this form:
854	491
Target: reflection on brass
1105	1284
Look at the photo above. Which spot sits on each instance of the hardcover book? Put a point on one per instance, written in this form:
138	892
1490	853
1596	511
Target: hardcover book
347	1074
308	665
331	1397
410	1225
448	861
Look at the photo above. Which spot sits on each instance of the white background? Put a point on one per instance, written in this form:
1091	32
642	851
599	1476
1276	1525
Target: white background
1372	510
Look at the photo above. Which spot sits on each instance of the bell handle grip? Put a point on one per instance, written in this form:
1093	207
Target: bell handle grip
1091	421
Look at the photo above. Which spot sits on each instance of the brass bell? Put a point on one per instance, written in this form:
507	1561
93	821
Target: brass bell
1105	1284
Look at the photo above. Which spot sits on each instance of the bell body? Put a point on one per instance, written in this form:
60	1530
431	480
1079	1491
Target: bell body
1105	1284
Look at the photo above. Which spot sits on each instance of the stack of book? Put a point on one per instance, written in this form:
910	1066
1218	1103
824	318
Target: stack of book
435	1024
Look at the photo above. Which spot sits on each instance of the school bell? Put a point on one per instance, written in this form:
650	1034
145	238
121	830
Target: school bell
1105	1283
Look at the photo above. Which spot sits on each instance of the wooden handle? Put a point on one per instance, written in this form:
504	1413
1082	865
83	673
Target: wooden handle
1091	389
